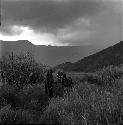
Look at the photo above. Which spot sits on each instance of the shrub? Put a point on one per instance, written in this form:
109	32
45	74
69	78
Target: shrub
22	103
105	77
109	74
33	97
58	90
9	95
19	70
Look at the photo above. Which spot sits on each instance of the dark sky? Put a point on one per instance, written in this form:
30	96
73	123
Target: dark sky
62	22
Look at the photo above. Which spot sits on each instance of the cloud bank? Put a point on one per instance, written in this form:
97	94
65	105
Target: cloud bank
71	22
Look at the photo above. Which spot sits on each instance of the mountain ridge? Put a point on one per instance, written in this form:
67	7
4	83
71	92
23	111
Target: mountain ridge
49	55
110	56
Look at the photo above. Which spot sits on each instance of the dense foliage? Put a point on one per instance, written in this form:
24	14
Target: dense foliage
19	70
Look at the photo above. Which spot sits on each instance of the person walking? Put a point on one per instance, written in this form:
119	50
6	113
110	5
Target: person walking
49	84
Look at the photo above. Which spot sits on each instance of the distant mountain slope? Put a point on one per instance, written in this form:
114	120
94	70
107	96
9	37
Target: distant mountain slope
50	55
110	56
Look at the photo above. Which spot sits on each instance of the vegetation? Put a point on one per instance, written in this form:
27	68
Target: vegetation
19	70
95	99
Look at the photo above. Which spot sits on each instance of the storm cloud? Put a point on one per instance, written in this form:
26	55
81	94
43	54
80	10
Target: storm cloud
71	22
49	15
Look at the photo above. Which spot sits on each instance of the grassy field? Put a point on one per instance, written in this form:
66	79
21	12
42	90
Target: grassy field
95	99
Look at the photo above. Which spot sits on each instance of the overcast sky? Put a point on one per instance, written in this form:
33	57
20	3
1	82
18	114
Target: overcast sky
62	22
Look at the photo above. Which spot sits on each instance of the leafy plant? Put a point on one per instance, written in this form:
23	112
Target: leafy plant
19	70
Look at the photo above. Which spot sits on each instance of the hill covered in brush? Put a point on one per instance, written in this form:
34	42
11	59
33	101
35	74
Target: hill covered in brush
112	55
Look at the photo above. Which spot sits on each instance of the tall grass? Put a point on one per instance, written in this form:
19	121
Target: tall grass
90	104
10	116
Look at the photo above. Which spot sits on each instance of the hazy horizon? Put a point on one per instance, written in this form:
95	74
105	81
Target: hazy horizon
104	46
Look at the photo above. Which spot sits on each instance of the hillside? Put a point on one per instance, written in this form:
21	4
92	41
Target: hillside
112	55
90	99
50	55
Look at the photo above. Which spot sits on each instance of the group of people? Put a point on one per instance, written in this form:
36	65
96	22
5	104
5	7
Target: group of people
61	78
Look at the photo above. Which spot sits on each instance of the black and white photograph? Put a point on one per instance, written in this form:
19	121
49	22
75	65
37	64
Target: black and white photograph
61	62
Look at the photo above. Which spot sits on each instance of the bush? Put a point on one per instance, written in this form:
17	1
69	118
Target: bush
33	97
58	90
22	103
9	95
105	77
109	74
19	70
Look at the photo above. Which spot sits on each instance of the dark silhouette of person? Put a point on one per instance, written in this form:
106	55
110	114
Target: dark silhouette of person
70	82
59	76
64	80
49	84
66	83
33	77
2	77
